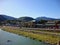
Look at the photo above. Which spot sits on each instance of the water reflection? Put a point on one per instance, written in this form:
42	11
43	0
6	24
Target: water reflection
7	38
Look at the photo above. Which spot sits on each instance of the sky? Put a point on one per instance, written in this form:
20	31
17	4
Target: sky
32	8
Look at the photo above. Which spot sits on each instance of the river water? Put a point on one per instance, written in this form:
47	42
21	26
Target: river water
7	38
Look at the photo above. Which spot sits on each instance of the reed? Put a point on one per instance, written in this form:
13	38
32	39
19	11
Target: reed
41	37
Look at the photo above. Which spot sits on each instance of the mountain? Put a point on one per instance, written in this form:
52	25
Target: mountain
26	19
5	17
45	18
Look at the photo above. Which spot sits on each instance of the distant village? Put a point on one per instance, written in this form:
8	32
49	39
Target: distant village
28	22
53	24
41	24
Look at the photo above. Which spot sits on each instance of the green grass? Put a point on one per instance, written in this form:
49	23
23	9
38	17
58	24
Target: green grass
45	38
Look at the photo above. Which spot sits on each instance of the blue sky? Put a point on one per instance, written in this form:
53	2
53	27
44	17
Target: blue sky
32	8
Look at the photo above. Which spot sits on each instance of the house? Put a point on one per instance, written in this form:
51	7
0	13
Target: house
33	24
49	24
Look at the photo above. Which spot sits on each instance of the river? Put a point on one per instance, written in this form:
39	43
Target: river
7	38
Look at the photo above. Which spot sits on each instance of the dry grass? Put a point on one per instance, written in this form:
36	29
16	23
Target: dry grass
42	37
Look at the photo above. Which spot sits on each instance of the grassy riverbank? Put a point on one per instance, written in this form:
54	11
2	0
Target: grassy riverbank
41	37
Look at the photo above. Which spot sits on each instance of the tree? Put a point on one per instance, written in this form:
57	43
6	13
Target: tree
42	21
0	23
56	24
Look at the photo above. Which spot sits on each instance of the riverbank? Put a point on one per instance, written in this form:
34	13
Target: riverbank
41	37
